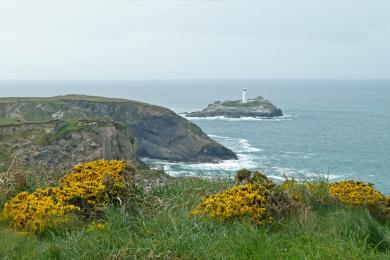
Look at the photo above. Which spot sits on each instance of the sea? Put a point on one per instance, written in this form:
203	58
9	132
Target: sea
338	129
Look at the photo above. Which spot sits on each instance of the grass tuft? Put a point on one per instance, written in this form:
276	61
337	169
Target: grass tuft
156	224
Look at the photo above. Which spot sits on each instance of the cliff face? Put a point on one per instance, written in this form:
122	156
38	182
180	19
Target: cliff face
62	144
258	107
162	134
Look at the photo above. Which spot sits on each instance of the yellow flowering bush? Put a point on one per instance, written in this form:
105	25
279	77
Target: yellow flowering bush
240	202
356	193
87	187
92	184
34	212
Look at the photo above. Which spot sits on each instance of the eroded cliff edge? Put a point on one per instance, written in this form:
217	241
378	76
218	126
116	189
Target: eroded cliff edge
61	144
159	133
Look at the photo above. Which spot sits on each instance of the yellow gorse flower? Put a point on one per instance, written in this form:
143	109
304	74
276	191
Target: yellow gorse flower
32	212
93	182
356	193
240	202
89	185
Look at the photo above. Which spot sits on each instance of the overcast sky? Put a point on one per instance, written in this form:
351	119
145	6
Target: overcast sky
194	39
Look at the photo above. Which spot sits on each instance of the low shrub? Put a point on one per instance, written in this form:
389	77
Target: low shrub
87	189
310	191
92	185
244	176
356	193
243	202
34	212
361	194
255	197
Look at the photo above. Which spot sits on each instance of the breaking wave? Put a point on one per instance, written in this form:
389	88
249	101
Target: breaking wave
223	118
242	147
249	157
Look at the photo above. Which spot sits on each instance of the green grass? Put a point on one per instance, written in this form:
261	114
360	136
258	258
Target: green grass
238	103
69	126
156	225
196	129
60	98
6	121
4	154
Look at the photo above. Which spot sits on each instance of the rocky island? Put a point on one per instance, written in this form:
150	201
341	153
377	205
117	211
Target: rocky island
257	107
64	130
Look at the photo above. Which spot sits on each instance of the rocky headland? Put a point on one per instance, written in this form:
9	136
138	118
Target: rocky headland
61	144
257	107
72	128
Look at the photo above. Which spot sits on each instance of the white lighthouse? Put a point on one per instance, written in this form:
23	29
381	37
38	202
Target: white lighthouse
244	99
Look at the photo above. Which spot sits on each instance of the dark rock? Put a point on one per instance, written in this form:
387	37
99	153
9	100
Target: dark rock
60	145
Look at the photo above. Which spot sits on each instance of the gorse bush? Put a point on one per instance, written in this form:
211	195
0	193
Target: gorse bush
17	176
244	202
34	212
93	184
257	198
356	193
87	188
155	224
360	194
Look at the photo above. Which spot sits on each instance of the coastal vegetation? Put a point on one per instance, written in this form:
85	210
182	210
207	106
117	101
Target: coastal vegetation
153	131
250	103
100	212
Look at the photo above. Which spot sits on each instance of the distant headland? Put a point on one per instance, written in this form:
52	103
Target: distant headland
257	107
75	128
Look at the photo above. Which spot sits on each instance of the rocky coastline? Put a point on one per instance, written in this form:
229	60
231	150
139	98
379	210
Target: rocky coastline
257	107
117	128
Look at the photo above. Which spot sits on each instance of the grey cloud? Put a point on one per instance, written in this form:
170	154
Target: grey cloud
194	39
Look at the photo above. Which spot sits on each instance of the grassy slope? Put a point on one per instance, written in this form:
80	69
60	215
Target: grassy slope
238	103
71	97
157	225
31	114
61	98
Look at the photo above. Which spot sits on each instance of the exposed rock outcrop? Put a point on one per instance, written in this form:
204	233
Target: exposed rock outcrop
62	144
162	134
258	107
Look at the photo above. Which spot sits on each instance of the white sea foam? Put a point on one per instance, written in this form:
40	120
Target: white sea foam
249	157
239	145
296	154
224	118
276	177
247	147
299	173
243	148
176	168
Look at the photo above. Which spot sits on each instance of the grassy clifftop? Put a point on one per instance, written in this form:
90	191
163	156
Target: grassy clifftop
61	98
157	225
41	109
